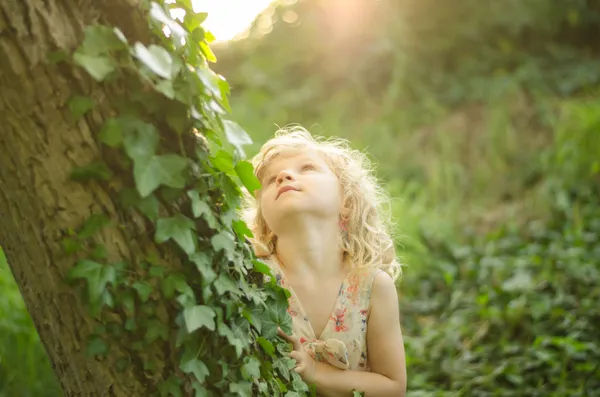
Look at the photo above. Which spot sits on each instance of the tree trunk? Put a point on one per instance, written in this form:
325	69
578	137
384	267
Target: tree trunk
39	146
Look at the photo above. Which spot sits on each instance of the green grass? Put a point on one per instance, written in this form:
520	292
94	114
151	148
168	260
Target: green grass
24	366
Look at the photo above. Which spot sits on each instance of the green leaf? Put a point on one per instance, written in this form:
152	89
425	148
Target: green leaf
96	275
179	228
209	79
223	161
156	58
140	139
196	367
251	367
97	66
155	330
110	134
224	284
92	225
266	345
236	135
245	172
170	387
233	340
263	268
193	20
175	282
223	241
150	173
149	207
143	289
159	14
100	40
204	266
241	229
243	389
200	208
80	105
96	170
96	347
199	316
166	88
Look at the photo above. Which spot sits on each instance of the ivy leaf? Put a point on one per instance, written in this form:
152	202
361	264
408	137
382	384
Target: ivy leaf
200	208
154	330
166	88
80	105
209	79
241	229
356	393
170	387
225	331
143	289
100	40
97	66
204	266
223	241
175	282
110	134
179	228
149	207
96	347
241	389
140	139
224	284
199	316
281	365
92	225
266	345
156	58
245	172
251	367
236	135
223	161
298	383
96	275
193	20
200	390
196	367
95	170
157	13
152	172
262	267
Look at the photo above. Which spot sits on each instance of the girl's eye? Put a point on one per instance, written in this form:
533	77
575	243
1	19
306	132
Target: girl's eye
308	167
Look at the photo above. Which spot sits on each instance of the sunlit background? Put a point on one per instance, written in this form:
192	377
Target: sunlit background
228	18
483	119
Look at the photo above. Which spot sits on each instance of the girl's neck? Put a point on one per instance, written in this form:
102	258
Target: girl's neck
311	250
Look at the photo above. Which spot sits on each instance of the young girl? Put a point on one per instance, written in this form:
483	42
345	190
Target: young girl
317	222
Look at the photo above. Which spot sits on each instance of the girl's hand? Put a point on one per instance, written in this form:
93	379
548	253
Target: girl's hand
306	366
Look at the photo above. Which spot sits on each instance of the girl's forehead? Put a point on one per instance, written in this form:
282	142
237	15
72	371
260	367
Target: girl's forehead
293	155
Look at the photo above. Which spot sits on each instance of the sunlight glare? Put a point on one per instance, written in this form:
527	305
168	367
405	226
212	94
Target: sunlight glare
228	18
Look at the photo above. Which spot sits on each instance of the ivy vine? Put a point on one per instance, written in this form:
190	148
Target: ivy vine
171	155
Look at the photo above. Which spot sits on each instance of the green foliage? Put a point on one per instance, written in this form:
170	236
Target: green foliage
210	306
513	315
24	366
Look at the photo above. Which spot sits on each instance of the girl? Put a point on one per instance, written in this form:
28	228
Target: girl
317	223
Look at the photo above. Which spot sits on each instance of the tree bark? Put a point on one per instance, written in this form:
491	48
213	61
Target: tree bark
40	144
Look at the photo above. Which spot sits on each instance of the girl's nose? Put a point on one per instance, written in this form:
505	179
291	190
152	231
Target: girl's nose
284	176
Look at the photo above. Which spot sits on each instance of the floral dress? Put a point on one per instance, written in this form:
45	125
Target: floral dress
343	342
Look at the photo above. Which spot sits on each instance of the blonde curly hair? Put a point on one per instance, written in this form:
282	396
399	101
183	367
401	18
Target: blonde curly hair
367	242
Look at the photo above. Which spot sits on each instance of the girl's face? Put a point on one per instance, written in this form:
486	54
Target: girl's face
298	183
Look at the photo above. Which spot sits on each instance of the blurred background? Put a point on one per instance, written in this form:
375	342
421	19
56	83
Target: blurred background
483	118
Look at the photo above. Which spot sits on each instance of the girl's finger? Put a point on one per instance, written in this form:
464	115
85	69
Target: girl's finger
290	338
296	355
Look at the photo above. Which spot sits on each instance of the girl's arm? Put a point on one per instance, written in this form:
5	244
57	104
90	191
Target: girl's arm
385	352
